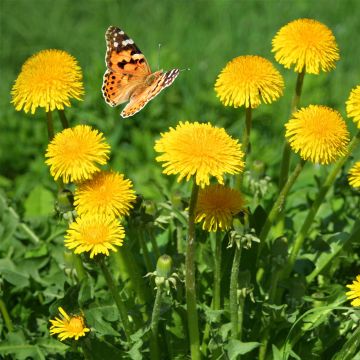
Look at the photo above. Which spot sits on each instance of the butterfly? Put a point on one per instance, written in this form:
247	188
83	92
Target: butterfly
128	76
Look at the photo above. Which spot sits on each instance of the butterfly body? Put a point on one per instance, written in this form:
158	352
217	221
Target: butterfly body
128	76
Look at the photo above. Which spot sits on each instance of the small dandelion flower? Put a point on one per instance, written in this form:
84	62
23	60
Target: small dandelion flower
249	80
48	79
67	326
354	175
353	105
216	207
200	150
318	134
74	153
354	292
307	44
106	192
95	234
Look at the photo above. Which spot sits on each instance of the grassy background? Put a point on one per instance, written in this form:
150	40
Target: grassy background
201	35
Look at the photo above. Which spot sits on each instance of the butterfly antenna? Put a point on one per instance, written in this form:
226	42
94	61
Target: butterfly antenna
185	69
159	47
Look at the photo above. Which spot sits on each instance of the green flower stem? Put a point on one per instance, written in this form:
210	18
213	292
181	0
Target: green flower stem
246	146
63	119
115	294
315	206
233	298
50	125
192	314
130	270
278	206
285	162
246	136
6	316
217	270
155	324
355	234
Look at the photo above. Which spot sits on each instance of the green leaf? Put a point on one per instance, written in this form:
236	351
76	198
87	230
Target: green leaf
11	274
40	202
101	349
237	347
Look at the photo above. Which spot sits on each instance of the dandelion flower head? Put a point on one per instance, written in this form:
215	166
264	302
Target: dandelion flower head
307	45
48	79
106	192
249	80
94	234
199	150
67	326
318	134
75	153
216	207
354	293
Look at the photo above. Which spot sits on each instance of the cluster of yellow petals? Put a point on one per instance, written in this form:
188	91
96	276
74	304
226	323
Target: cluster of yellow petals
354	292
307	44
199	150
318	134
75	153
94	234
68	327
353	106
216	207
354	175
48	79
248	81
106	192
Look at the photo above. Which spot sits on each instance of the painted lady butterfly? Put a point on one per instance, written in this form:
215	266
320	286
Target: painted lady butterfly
128	76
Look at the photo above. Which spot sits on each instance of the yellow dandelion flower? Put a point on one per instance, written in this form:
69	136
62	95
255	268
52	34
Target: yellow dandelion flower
307	44
216	207
74	153
354	292
200	150
94	233
354	175
48	79
67	326
106	192
353	105
318	133
249	80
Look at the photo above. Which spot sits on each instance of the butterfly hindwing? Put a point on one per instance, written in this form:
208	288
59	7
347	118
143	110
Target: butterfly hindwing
139	99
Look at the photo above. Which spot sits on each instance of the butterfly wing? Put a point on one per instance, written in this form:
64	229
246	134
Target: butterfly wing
127	67
143	94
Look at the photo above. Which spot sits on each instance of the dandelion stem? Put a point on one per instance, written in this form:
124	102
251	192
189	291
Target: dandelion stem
278	206
246	135
6	316
217	271
115	294
233	297
285	162
63	119
155	323
50	125
190	278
